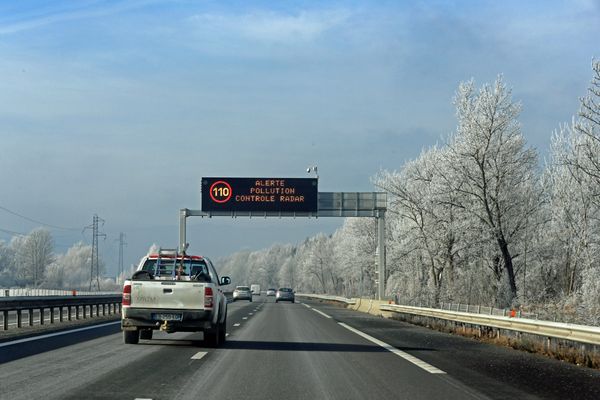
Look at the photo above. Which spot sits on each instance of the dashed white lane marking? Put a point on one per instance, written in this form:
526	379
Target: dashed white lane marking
306	305
48	335
199	355
236	324
244	317
250	313
412	359
227	334
321	312
139	398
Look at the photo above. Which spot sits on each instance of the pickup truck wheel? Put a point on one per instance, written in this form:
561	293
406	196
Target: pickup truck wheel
131	337
211	337
146	334
222	331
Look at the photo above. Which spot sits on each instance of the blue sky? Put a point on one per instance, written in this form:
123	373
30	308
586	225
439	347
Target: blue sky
120	107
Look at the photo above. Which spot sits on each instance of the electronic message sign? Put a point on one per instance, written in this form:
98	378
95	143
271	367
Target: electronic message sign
260	194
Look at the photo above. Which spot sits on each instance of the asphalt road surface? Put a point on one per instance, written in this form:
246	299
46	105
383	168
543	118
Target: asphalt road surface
304	350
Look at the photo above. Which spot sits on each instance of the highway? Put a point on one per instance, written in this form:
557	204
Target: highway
305	350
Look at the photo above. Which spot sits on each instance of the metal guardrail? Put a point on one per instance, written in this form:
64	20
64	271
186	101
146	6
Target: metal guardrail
478	309
329	298
486	316
20	292
103	304
558	330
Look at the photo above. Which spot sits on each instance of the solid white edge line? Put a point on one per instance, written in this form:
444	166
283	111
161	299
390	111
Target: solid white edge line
321	312
412	359
306	305
49	335
199	355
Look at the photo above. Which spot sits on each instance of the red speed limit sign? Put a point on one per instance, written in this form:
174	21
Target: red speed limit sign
220	192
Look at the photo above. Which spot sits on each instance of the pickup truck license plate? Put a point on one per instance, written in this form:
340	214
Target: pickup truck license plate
167	317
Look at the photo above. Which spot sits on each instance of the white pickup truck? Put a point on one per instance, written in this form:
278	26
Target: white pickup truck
174	293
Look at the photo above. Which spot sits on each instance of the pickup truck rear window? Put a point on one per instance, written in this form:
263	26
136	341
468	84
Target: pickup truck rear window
171	267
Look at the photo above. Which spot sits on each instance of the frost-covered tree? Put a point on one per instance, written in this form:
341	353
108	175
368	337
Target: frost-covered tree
287	276
316	260
235	266
574	211
423	201
587	128
495	172
574	207
353	268
590	295
72	269
7	272
34	253
263	267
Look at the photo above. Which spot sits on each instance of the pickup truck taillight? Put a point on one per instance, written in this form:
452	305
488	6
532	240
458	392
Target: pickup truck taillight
126	295
208	297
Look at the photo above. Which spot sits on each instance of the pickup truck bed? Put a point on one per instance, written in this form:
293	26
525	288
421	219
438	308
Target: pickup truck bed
174	294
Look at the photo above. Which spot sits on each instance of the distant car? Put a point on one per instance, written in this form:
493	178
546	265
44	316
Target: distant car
255	289
271	292
242	293
285	294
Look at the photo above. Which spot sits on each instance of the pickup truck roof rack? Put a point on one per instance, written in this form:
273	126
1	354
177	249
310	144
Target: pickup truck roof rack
167	252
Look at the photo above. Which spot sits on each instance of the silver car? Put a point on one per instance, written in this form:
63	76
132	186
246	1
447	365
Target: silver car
242	293
285	294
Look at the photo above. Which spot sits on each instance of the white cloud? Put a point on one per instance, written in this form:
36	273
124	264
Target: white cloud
273	27
77	12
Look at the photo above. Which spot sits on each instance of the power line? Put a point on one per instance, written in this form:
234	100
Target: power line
36	221
12	232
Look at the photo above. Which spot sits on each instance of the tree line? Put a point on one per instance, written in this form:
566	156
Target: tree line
30	261
477	219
